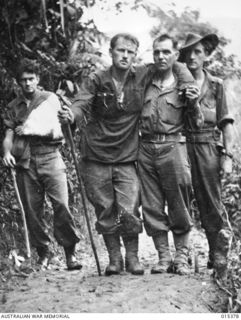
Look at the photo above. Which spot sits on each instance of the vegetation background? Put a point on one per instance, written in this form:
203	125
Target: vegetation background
68	48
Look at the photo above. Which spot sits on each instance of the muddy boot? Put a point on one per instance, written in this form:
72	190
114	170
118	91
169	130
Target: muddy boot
162	247
71	261
132	262
212	240
44	255
181	242
223	246
112	242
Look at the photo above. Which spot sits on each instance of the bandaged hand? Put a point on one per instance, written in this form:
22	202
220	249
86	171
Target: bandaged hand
65	115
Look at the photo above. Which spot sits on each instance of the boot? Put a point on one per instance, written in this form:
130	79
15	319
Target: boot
71	261
181	242
221	253
132	262
212	240
112	242
44	255
162	247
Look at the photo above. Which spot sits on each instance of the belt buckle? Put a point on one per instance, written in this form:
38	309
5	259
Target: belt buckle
161	137
216	135
192	138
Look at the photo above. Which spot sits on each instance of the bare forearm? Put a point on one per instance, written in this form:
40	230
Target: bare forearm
228	137
8	141
8	159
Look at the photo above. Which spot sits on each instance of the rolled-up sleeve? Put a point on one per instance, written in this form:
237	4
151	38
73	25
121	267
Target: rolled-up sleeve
223	114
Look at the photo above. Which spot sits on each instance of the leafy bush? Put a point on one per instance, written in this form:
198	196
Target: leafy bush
231	194
66	48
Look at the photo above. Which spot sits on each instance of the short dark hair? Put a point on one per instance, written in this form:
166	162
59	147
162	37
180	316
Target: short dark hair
164	37
29	66
126	36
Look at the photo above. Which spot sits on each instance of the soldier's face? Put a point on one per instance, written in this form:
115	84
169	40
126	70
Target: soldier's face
195	57
123	54
29	82
164	55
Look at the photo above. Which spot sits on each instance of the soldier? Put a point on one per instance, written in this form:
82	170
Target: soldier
31	146
209	147
163	163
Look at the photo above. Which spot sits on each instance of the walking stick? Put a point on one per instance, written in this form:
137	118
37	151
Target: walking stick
13	173
81	187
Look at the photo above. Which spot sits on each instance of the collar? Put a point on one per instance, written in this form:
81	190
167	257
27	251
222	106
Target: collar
22	99
131	71
152	74
106	75
155	82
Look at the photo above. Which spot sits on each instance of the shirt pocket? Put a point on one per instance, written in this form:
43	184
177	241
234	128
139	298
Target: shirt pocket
105	100
147	102
148	110
171	110
209	110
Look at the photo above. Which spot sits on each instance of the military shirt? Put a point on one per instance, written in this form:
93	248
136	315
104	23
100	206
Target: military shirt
110	123
18	111
213	105
20	108
163	111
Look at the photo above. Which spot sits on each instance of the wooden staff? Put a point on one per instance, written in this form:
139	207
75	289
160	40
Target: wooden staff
81	187
13	173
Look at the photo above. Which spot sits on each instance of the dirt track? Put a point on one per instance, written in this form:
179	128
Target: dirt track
57	290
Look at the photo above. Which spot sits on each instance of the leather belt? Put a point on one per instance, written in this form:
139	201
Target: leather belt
43	149
203	137
161	138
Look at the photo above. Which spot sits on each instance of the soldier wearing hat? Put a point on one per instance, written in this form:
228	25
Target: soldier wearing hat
209	147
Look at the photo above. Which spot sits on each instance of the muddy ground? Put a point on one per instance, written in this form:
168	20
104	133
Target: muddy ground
57	290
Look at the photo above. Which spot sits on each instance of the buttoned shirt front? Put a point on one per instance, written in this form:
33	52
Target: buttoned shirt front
163	111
